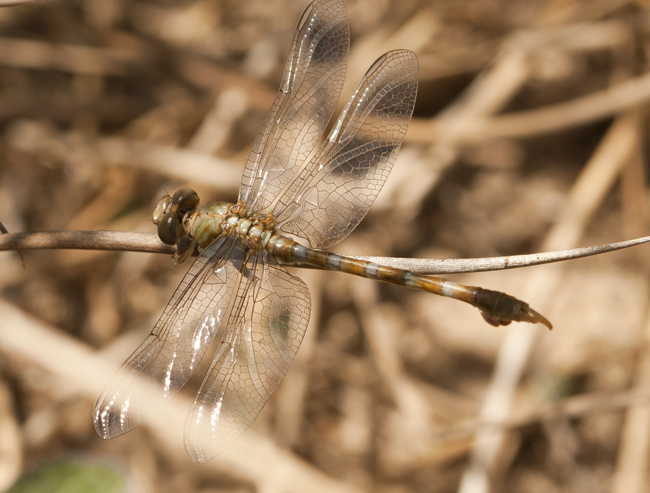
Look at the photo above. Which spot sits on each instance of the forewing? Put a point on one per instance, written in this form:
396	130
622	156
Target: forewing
167	358
261	340
331	196
310	89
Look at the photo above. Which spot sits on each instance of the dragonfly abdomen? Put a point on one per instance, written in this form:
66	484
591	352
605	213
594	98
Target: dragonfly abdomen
497	308
287	251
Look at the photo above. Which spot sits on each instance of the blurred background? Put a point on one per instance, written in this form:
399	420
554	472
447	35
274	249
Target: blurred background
528	136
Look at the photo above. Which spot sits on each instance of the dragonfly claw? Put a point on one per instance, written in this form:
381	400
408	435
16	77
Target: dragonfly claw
533	317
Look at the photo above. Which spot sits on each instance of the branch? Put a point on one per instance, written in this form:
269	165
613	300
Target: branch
85	240
550	118
571	407
13	3
149	242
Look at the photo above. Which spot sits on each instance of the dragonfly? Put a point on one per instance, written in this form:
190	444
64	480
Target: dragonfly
238	288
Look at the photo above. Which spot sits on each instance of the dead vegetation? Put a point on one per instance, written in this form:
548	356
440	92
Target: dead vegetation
529	135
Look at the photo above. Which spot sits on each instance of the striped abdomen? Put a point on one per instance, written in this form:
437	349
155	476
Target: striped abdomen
497	308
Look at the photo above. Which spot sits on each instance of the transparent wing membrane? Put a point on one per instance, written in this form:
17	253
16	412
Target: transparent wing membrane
308	95
329	198
171	353
263	335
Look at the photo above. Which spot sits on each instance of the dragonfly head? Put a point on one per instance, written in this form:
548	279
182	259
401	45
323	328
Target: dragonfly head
170	213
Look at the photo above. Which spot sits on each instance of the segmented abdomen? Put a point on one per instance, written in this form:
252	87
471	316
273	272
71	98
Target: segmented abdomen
497	308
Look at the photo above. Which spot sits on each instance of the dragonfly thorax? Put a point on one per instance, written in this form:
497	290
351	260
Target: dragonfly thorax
223	219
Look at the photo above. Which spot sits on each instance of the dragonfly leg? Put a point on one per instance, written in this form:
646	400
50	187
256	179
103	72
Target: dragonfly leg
184	250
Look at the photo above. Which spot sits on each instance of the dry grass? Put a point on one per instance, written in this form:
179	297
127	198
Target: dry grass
529	135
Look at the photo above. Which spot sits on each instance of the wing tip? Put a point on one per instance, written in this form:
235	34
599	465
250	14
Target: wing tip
201	451
111	421
102	421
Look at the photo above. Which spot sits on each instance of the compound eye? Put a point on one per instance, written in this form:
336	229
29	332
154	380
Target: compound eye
186	198
161	209
170	229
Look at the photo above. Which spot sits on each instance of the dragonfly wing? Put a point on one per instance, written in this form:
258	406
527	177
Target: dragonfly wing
263	335
308	95
165	361
331	196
